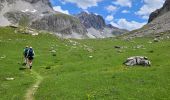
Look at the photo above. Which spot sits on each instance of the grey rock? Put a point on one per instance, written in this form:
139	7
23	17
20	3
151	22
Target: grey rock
137	60
156	40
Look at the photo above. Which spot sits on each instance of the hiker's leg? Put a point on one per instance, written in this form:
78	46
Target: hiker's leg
26	60
30	64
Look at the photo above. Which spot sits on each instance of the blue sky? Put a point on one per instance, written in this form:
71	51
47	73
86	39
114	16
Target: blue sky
126	14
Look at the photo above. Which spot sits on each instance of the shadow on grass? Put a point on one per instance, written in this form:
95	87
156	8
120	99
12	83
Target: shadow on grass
22	68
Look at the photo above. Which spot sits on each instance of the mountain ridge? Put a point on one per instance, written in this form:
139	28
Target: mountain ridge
39	15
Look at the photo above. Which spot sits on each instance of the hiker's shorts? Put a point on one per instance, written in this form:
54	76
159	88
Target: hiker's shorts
30	58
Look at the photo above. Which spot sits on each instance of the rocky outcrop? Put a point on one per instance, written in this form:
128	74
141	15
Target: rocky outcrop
159	12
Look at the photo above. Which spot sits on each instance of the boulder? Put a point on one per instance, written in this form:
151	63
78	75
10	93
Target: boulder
137	60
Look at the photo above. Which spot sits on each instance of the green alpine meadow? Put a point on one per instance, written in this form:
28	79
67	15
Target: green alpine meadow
88	69
84	49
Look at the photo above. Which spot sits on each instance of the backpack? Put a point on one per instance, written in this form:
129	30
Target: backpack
30	53
26	51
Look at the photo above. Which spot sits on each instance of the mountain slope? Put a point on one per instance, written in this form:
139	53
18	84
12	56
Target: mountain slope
159	22
161	11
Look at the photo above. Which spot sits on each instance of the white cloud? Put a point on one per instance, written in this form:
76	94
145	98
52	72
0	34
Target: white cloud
84	4
129	25
125	11
148	7
123	3
111	8
109	18
59	9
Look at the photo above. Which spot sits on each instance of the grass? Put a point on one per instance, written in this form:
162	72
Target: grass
73	75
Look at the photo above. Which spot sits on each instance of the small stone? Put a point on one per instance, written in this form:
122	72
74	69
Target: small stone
34	34
90	56
9	79
53	51
156	40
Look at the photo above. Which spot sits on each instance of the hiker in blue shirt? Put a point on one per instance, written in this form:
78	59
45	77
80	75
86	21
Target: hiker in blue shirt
25	55
30	56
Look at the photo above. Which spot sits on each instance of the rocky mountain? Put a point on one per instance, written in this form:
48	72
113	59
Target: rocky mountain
96	26
159	12
39	15
91	20
159	22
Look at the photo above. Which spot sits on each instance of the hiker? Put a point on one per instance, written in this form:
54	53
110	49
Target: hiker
30	56
25	55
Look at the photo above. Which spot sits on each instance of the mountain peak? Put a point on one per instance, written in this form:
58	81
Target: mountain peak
91	20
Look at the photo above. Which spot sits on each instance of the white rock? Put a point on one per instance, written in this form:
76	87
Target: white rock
33	11
90	56
2	57
35	34
9	79
53	51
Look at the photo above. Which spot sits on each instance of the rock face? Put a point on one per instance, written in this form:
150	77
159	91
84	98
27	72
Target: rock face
60	23
161	11
159	22
97	27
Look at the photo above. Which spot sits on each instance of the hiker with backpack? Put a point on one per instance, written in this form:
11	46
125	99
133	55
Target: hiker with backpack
25	55
30	56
